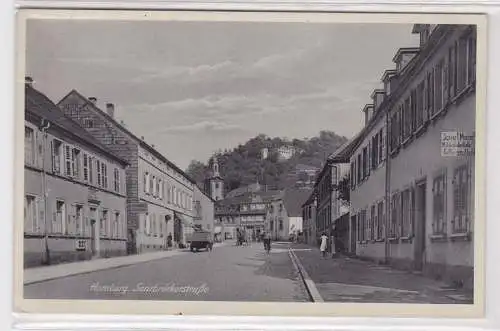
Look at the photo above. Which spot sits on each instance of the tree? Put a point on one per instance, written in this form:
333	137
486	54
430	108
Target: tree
197	170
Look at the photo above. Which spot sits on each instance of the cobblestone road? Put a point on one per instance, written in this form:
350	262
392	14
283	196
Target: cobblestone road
228	273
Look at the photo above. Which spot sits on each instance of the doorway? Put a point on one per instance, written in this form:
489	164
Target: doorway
352	240
420	227
93	220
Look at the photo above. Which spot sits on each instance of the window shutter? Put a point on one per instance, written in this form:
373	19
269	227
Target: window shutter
383	137
369	158
39	149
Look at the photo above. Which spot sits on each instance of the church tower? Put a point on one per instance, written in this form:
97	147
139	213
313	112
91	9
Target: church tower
214	185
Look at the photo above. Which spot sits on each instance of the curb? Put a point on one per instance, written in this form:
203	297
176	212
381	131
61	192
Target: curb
304	276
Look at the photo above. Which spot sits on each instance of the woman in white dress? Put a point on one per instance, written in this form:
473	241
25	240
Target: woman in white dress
322	247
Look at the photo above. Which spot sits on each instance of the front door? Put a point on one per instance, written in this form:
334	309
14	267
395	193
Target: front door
420	212
353	235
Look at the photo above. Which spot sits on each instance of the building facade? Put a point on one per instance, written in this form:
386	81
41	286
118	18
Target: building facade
159	194
75	192
428	103
204	211
284	215
309	217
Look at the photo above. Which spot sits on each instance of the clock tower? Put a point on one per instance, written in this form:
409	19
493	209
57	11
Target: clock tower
214	185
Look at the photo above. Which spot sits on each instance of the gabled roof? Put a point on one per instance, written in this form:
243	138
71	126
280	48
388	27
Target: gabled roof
40	105
293	200
141	142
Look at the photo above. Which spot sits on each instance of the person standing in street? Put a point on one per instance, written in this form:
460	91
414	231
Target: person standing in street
323	246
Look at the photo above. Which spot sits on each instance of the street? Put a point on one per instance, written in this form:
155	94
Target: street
228	273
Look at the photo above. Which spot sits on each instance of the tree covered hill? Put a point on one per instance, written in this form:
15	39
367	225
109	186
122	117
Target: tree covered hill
244	165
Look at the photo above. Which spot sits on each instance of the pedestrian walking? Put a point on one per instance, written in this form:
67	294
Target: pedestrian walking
169	240
323	246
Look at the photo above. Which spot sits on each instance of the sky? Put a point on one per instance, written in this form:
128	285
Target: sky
191	88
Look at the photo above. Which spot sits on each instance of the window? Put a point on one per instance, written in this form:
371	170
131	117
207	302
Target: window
281	225
438	87
56	156
104	222
461	200
413	105
151	185
380	220
68	162
217	185
116	176
359	167
168	193
79	223
365	162
362	225
154	231
375	151
75	162
439	208
29	146
85	167
381	145
104	174
406	116
59	222
271	225
452	71
471	64
419	105
396	129
430	93
158	185
393	233
161	187
145	182
116	226
373	222
462	64
30	214
406	213
91	169
99	173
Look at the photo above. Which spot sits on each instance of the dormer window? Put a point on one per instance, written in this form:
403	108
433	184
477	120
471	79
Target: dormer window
404	56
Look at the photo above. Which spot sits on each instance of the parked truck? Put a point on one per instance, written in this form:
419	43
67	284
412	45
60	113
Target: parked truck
200	240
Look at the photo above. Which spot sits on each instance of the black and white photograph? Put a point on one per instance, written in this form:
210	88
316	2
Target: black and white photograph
279	161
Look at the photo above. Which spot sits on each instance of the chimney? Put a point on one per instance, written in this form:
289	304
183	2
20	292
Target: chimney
142	137
368	110
28	81
93	100
110	109
152	146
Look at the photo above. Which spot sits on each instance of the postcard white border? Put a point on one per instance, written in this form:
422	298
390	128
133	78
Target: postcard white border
242	308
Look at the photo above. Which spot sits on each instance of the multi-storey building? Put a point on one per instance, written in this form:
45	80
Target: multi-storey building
247	211
425	189
159	194
75	192
309	219
204	212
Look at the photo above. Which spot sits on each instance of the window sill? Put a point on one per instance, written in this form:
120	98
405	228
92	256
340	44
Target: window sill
407	239
380	240
406	141
461	236
421	129
393	240
438	238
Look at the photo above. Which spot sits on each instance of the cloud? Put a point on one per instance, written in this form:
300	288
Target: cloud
204	126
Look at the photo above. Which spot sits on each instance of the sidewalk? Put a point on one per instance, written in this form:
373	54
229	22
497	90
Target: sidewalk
39	274
344	279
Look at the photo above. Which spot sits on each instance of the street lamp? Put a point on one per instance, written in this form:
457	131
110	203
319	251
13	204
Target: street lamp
45	125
